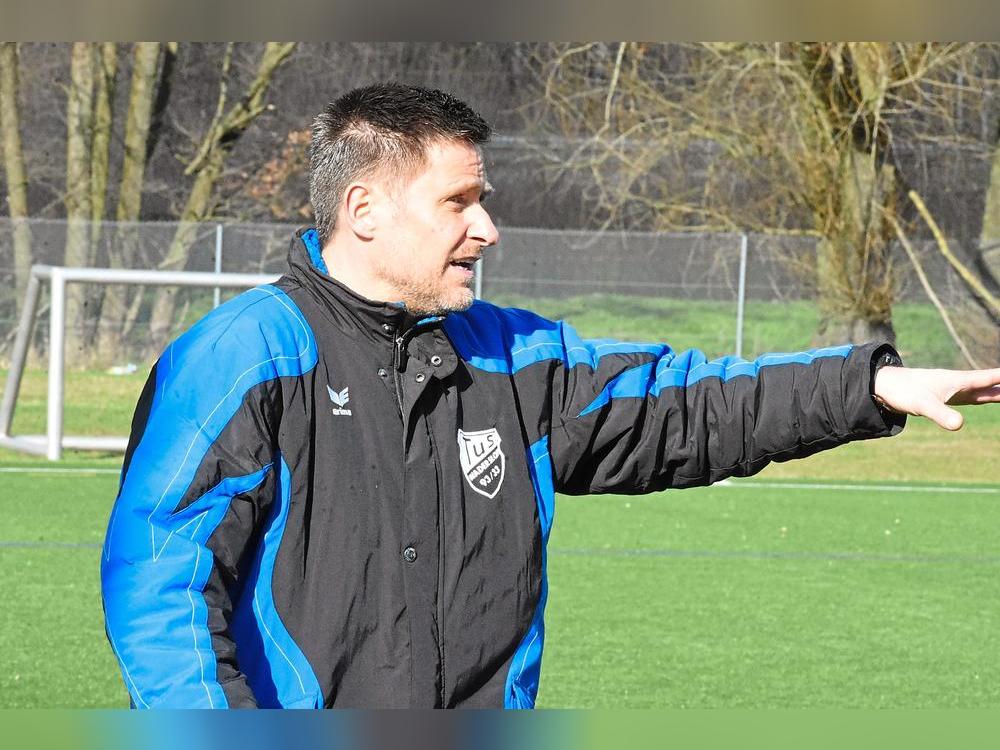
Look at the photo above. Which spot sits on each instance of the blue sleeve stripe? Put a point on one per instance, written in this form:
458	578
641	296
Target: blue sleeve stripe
540	470
521	687
627	385
278	672
506	341
686	369
157	610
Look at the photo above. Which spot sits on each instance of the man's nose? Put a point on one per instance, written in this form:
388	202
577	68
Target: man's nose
482	229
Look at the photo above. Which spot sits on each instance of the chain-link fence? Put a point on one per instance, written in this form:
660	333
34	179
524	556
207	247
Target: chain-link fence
541	263
692	266
622	276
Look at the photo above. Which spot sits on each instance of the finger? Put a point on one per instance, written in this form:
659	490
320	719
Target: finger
988	395
942	415
981	379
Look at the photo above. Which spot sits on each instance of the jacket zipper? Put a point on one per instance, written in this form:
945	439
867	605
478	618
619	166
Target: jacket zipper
440	581
397	365
398	360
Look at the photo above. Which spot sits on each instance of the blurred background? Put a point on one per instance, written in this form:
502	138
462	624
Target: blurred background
860	182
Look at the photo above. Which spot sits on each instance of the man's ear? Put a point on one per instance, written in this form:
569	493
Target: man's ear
357	210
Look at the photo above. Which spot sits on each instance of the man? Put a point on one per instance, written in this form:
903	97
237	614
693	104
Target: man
339	487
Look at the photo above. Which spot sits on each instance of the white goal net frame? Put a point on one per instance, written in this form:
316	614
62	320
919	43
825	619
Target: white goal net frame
52	443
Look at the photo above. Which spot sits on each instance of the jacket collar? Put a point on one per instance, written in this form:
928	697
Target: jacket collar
348	309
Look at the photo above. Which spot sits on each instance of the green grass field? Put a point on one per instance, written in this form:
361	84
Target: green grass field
728	596
770	592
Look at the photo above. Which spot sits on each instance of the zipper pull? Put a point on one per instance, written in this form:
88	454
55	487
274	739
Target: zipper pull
400	354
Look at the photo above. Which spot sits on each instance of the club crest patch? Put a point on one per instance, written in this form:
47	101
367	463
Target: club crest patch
483	462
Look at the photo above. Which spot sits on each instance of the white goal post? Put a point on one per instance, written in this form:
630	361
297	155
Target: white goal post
52	443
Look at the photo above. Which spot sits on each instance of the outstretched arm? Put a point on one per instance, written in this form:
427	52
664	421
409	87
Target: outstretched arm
927	393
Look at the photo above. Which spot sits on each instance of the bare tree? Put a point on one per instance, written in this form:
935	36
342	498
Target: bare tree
116	312
78	198
13	162
221	135
98	129
989	236
788	137
107	72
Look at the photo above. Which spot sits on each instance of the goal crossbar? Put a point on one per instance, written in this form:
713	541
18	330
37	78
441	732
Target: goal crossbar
53	441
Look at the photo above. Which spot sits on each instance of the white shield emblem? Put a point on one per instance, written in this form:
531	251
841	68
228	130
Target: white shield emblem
482	460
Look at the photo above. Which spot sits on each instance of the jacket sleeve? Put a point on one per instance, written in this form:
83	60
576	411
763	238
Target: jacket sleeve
198	480
631	418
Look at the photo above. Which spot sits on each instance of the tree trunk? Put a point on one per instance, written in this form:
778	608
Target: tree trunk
137	124
984	333
854	275
99	152
197	209
989	237
207	165
107	70
13	165
122	249
79	124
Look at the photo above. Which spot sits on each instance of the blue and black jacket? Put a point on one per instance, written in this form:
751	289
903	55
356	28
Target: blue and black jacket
327	502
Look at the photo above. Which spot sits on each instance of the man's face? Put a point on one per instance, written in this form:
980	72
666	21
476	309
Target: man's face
433	230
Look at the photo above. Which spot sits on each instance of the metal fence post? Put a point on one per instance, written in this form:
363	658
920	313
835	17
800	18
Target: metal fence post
741	295
217	294
479	278
57	352
19	354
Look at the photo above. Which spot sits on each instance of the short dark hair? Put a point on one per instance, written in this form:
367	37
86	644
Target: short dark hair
381	126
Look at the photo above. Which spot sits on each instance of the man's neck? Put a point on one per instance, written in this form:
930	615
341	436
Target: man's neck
349	266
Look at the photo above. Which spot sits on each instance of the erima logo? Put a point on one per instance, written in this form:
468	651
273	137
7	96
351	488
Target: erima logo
340	400
482	460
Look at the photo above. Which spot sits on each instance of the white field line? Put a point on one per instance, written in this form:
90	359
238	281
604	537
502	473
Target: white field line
748	484
957	489
54	470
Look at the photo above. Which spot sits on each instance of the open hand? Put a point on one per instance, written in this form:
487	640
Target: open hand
926	393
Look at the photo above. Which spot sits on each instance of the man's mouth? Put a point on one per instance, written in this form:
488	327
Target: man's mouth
466	263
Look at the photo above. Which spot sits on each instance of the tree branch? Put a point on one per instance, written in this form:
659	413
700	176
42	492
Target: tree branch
211	138
968	276
925	282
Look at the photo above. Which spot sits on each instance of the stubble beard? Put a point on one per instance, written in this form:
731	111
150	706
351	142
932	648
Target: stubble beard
427	297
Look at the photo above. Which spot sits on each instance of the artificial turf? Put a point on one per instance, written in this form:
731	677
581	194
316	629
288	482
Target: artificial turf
729	596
